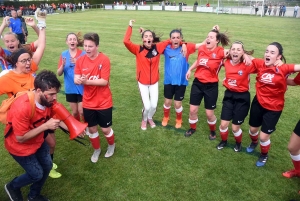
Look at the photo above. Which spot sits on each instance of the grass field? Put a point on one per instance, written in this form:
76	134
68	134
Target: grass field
160	163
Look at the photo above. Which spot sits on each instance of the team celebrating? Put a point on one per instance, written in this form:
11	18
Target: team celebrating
30	130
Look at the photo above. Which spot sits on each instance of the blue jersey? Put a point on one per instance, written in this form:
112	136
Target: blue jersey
16	25
176	67
70	86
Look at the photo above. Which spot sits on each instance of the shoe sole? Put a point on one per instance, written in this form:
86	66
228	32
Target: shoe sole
8	192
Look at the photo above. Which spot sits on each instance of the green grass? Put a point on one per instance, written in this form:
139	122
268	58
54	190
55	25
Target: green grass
160	163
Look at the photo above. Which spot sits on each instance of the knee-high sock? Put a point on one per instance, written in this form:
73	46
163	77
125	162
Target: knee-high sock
193	123
95	140
238	136
224	134
179	113
110	137
254	136
296	161
212	125
167	111
264	147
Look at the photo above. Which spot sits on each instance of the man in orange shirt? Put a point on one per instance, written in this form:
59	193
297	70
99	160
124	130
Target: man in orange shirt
92	71
24	137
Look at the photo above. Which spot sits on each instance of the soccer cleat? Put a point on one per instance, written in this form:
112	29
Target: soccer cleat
110	151
178	123
238	147
144	125
262	160
190	132
151	123
222	144
40	16
13	194
212	135
95	155
38	198
54	167
165	121
291	173
251	147
54	174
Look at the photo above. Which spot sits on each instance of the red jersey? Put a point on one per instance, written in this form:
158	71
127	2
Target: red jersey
147	60
18	115
297	79
271	84
209	64
95	97
237	77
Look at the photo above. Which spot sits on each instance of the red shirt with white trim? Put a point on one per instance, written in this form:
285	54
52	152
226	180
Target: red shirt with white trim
95	97
209	63
237	77
271	84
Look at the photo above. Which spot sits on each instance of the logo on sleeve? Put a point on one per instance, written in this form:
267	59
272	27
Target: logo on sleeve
267	78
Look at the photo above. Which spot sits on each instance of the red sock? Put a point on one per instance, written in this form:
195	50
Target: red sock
166	112
212	126
265	148
224	135
179	115
95	141
254	138
238	136
110	137
296	165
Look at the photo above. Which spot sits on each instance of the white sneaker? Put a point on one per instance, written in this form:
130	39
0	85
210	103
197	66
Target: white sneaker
110	150
95	155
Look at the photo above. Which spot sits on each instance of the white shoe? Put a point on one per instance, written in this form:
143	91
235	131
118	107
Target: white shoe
95	155
110	150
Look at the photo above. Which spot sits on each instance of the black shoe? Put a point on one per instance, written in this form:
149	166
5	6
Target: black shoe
212	135
222	144
251	147
262	160
38	198
14	194
190	132
238	147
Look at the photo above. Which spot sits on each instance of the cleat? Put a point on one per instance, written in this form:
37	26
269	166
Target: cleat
151	123
291	173
190	132
212	135
144	125
251	147
54	167
238	147
178	123
95	155
165	121
13	194
262	160
54	174
110	151
222	144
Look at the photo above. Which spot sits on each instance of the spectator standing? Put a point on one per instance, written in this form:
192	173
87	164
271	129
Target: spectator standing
19	13
296	8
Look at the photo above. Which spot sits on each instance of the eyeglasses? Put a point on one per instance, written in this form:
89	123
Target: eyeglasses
24	61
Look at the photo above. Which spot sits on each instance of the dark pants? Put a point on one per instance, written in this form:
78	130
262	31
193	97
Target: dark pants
37	167
21	38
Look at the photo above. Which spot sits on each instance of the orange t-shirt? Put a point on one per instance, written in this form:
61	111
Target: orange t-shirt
95	97
19	116
12	83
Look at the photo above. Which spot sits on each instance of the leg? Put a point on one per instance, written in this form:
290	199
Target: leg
144	90
51	141
167	107
193	119
212	121
75	112
178	109
238	134
153	89
223	133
